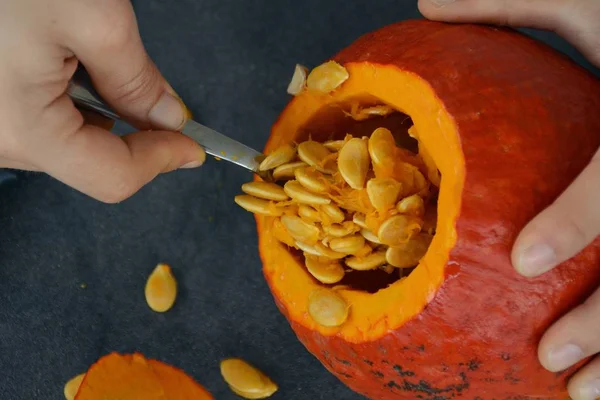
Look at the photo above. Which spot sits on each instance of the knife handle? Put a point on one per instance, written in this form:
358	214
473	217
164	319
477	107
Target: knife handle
84	95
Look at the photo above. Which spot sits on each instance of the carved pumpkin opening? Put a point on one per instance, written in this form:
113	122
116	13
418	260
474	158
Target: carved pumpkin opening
334	122
377	303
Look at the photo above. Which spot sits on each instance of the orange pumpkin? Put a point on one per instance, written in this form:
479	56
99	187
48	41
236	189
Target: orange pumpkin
133	377
509	123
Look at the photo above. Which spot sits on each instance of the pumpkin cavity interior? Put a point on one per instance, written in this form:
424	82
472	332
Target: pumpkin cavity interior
361	195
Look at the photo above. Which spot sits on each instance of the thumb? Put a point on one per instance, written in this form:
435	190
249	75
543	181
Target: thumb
120	68
576	21
564	228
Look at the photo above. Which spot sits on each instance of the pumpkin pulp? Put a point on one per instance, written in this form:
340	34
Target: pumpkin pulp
376	310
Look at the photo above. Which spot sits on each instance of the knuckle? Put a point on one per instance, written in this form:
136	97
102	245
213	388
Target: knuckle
140	88
113	26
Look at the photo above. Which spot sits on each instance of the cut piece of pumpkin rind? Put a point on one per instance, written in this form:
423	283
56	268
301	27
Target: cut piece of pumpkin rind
144	379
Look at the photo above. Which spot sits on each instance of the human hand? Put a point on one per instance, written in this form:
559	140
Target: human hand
573	220
41	43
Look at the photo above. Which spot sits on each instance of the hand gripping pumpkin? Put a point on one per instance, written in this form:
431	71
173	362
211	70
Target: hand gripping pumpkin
498	125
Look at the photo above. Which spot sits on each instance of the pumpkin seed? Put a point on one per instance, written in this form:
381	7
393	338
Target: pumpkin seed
359	114
308	249
72	386
286	171
383	192
368	262
348	245
265	190
365	251
298	81
246	380
258	206
314	154
382	146
360	220
388	269
281	233
334	213
397	229
412	205
297	192
339	230
311	179
281	156
370	236
300	230
327	77
327	252
353	162
410	253
325	272
161	288
334	145
327	307
309	213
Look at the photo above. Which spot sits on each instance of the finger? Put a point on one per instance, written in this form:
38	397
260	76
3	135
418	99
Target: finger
573	337
564	228
576	21
107	42
105	166
92	118
585	385
11	164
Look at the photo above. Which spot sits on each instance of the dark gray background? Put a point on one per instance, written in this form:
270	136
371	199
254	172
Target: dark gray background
230	60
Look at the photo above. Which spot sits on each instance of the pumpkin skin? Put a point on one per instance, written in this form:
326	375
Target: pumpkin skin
525	121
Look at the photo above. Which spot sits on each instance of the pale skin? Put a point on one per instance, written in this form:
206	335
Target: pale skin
41	42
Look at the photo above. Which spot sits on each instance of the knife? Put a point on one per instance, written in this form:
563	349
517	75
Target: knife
83	94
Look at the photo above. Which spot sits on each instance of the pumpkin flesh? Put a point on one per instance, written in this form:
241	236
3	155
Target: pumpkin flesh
463	323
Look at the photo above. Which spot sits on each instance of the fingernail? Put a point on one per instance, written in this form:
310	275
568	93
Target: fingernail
441	3
589	390
564	357
536	259
195	163
168	112
188	113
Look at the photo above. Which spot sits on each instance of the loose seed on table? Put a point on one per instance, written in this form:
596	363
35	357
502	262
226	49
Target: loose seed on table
371	261
300	230
348	245
353	162
258	206
265	190
72	386
246	380
383	192
326	77
311	179
286	171
397	229
325	272
327	307
161	288
299	193
281	156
